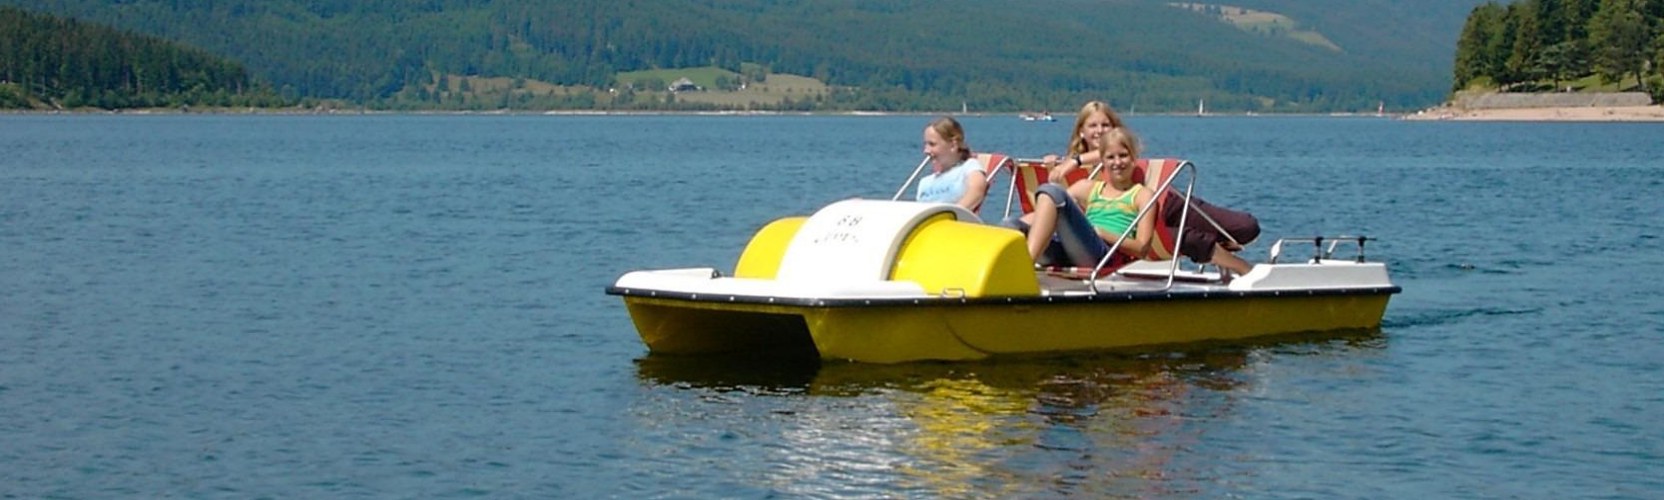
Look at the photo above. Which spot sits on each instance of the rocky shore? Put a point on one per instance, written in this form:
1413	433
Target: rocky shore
1552	106
1566	114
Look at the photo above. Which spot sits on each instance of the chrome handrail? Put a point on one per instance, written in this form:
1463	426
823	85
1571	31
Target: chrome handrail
1010	195
1011	191
910	178
1319	253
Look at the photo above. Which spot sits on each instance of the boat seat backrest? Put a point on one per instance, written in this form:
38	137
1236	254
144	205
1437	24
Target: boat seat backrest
992	164
1152	172
1028	175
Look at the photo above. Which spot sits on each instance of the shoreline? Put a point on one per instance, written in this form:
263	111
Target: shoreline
1652	113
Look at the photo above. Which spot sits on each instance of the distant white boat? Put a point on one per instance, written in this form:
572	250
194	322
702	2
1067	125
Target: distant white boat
1201	108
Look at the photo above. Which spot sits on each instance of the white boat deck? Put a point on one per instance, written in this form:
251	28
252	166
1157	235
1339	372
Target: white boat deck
1153	277
1055	285
1310	277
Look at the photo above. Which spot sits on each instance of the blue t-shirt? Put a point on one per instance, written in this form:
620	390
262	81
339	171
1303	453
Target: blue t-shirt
947	186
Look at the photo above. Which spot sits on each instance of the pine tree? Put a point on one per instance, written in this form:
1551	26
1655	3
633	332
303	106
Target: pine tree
1521	64
1472	47
1620	37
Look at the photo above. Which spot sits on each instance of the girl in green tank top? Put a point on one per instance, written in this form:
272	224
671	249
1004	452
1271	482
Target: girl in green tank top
1107	206
1112	215
1112	203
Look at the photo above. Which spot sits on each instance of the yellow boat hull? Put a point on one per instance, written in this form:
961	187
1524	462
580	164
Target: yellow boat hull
975	330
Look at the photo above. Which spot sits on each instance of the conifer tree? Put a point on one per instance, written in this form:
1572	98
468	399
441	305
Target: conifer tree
1620	37
1522	64
1473	54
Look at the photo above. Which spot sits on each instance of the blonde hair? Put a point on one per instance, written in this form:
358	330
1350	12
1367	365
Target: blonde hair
950	131
1077	144
1122	136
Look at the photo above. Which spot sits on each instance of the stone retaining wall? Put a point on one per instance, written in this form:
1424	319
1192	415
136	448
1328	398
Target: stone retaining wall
1551	100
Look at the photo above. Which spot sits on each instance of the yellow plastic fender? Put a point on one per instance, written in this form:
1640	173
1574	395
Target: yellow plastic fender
761	258
953	258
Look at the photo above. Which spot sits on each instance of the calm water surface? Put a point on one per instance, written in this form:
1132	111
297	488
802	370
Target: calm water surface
411	306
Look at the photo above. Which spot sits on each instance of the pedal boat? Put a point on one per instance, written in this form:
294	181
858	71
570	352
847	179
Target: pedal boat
883	281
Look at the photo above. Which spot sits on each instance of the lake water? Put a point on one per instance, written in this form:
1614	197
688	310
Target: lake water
412	306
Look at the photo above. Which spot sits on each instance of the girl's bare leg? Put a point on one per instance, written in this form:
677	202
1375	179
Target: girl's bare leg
1042	225
1230	262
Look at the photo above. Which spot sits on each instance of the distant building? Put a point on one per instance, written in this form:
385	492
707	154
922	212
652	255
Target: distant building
683	85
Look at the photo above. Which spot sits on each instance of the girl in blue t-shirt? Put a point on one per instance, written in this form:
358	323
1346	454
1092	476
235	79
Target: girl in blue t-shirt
956	177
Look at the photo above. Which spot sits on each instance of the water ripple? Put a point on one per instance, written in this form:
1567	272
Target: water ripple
410	306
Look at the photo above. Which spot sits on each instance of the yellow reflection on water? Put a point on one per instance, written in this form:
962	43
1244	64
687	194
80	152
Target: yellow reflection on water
958	422
1105	425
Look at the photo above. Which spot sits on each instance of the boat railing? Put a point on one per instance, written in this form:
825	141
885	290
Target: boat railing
992	172
1320	252
911	178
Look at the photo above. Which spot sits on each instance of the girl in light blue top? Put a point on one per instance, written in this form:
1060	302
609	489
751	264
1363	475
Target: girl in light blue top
956	177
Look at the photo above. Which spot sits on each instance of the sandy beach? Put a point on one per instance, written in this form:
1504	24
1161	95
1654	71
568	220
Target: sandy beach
1561	114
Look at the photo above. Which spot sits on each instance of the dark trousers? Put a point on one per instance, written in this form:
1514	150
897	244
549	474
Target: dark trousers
1199	236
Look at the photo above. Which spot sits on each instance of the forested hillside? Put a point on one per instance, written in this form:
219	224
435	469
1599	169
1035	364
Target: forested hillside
1393	32
989	55
46	61
1536	45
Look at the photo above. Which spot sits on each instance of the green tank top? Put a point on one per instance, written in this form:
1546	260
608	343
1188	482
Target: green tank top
1113	215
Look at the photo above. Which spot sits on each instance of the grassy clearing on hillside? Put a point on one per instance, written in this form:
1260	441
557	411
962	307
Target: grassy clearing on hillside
493	85
1262	22
1591	83
705	77
774	88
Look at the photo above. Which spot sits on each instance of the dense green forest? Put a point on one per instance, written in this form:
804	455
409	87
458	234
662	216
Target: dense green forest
46	61
989	55
1536	45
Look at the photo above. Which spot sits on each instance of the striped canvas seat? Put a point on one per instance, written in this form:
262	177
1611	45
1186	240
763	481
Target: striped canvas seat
992	163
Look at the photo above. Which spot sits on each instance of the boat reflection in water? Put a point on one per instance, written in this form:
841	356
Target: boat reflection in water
1104	424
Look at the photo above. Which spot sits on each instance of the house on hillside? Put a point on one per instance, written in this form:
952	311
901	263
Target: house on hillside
683	85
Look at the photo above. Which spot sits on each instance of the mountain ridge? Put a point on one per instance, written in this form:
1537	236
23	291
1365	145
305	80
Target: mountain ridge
887	56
